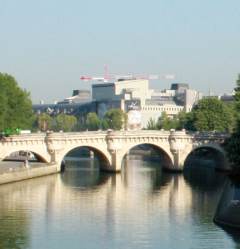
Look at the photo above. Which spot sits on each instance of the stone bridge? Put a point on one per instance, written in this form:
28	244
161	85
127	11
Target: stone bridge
112	146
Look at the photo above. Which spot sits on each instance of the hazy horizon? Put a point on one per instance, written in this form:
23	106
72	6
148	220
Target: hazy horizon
47	46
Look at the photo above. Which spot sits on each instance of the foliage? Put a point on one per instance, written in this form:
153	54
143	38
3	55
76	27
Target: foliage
115	119
44	122
152	124
237	94
15	105
167	123
93	122
104	124
232	145
65	122
210	114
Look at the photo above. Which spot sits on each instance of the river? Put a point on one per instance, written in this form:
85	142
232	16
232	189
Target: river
143	207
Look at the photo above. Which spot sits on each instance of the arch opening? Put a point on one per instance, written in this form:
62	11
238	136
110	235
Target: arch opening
22	155
147	152
206	157
85	158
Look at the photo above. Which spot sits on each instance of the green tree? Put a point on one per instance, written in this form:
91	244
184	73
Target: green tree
15	105
104	124
232	145
115	119
93	122
44	122
65	122
167	123
211	114
237	95
152	124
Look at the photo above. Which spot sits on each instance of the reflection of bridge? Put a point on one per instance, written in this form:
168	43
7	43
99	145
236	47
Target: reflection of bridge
112	146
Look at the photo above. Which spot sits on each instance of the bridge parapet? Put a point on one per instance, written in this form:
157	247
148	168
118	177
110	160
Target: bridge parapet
112	145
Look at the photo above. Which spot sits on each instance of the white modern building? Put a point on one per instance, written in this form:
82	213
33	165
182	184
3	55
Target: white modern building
135	95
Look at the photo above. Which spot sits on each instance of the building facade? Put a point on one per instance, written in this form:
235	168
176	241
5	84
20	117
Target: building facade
132	96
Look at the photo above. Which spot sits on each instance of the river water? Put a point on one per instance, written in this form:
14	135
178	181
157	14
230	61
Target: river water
143	207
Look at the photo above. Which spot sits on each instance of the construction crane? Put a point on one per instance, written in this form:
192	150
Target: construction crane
107	78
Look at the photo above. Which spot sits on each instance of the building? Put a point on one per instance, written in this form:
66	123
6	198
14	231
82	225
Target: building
130	95
78	96
135	95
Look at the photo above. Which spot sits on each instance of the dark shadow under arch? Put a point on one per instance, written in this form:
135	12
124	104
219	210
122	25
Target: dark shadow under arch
85	152
149	152
207	157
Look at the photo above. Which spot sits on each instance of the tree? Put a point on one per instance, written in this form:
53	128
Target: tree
237	94
210	114
115	119
65	122
232	145
15	105
167	123
44	122
93	122
152	124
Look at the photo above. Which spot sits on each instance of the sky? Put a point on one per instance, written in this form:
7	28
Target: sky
47	45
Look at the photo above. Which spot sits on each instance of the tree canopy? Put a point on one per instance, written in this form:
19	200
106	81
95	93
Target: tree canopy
232	145
210	114
65	122
15	105
93	122
115	119
44	122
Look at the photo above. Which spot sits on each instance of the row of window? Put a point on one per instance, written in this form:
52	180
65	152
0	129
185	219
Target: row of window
177	109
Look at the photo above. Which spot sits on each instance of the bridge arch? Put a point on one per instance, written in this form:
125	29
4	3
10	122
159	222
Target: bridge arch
103	155
39	155
210	152
164	152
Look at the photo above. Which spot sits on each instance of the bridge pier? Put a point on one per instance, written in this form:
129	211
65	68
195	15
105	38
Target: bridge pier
116	164
178	160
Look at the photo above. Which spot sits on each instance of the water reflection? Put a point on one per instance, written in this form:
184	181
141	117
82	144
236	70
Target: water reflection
234	234
14	228
143	207
204	179
85	169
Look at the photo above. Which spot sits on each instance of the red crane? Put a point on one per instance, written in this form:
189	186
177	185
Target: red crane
107	77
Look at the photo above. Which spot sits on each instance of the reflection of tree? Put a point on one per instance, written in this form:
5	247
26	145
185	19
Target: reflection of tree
206	186
204	179
13	229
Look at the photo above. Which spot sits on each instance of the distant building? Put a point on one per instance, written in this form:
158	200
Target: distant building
78	96
130	95
135	94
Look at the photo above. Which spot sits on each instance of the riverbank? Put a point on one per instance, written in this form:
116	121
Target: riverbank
14	171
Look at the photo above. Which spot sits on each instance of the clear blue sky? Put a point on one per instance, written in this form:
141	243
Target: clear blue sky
47	45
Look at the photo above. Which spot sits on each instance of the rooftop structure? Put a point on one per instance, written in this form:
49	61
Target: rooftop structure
78	96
